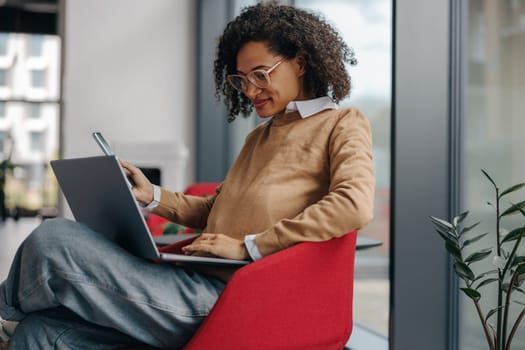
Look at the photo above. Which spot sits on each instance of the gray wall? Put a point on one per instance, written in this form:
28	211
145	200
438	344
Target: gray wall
129	71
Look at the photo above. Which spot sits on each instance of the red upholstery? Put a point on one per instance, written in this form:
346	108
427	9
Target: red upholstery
299	298
202	189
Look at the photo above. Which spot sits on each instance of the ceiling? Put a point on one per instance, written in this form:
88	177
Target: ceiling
32	5
29	16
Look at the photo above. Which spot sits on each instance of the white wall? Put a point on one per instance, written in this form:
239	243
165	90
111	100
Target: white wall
129	72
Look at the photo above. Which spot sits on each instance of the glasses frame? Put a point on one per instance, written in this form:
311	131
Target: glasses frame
249	78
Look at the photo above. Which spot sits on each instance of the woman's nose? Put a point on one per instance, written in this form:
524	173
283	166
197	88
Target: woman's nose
252	90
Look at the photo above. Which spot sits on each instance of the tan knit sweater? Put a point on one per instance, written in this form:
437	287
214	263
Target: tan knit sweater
295	180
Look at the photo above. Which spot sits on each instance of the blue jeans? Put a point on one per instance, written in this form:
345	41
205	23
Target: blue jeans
72	288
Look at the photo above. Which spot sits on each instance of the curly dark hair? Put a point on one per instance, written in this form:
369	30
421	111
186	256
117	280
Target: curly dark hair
287	31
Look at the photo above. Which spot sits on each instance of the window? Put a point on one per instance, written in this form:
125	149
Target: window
36	45
35	109
366	26
38	78
3	138
3	108
3	44
3	77
492	137
36	141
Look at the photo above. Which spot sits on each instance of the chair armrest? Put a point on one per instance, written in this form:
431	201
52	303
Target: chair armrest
176	248
297	298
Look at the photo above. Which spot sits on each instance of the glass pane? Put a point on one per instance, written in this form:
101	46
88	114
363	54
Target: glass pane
492	140
38	77
35	110
30	184
3	77
36	44
3	44
366	26
36	141
3	138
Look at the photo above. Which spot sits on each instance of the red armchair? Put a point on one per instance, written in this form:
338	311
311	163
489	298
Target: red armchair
299	298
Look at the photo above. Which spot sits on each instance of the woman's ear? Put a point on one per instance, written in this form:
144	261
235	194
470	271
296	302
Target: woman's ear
301	63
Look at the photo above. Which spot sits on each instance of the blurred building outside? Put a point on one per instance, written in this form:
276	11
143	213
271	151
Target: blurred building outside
29	119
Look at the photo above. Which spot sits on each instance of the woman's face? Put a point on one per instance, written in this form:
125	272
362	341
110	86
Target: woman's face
286	79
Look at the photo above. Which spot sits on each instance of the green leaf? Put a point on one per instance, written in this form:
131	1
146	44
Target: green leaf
172	228
474	239
448	238
454	251
515	208
519	290
490	179
477	256
467	229
484	274
513	235
472	293
443	224
487	281
458	219
451	235
520	270
492	312
517	260
511	189
463	271
510	260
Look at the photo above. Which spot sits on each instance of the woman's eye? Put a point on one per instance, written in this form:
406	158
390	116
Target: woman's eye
259	76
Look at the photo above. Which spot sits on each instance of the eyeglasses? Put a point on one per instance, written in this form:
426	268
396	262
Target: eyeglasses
258	77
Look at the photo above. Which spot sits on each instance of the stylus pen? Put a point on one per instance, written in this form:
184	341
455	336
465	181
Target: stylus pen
104	145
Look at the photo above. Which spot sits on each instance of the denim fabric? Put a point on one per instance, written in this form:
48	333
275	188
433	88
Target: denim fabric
72	288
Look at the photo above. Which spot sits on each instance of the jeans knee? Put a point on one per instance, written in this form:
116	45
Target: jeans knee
50	238
31	333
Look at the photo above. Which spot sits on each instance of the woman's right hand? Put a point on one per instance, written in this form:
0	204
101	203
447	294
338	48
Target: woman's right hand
142	187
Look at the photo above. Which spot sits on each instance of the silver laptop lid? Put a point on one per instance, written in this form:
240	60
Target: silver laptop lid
99	196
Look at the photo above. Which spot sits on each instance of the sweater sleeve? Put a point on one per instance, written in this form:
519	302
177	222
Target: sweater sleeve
347	206
187	210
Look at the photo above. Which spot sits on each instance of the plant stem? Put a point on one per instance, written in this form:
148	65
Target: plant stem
485	327
500	337
509	292
507	305
483	322
515	328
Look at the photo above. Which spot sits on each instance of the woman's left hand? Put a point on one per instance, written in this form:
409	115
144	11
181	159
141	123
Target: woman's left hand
218	244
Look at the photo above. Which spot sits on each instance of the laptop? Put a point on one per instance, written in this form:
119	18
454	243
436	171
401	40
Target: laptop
99	195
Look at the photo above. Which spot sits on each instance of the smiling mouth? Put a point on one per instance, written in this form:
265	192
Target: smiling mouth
260	103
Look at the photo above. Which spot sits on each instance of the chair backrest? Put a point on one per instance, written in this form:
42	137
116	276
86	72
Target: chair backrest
202	189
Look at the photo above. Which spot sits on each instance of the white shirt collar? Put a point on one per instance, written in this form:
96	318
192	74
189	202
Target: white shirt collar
307	108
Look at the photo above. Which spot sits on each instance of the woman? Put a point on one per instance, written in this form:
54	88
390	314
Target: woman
303	175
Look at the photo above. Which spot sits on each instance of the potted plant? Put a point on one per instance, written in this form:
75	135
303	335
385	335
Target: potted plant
508	272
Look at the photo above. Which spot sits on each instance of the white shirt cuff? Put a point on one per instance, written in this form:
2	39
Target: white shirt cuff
251	247
156	198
